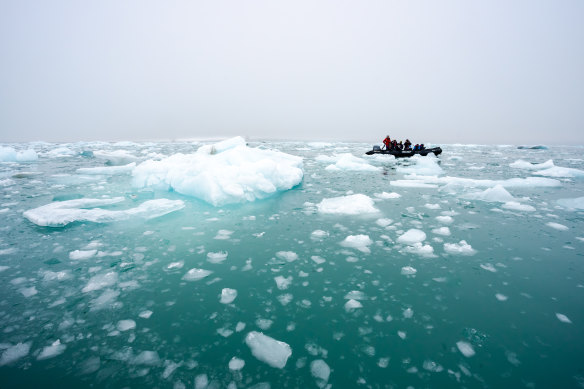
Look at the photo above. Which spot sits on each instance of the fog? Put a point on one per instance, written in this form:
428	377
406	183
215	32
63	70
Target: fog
436	72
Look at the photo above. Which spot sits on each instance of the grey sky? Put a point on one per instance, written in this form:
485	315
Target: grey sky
434	71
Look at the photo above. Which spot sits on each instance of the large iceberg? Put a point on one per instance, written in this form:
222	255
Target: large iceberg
61	213
9	154
224	173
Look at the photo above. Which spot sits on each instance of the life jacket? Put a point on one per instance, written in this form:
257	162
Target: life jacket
387	141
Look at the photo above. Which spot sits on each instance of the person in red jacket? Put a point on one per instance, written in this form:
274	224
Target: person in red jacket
387	142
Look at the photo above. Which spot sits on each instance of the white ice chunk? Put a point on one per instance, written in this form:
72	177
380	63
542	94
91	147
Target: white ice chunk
356	204
495	194
445	219
387	196
116	157
320	370
557	226
319	234
408	271
217	257
462	248
196	274
61	213
412	236
563	318
82	254
288	256
228	295
225	173
9	154
145	314
236	364
283	282
359	242
201	381
424	166
560	172
501	297
444	231
488	267
383	222
101	281
14	353
515	206
352	304
521	164
55	349
125	325
148	357
348	162
28	292
465	348
355	295
424	250
268	350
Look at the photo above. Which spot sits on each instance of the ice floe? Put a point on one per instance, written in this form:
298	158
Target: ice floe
268	350
412	236
387	196
224	173
236	364
563	318
15	352
217	257
108	170
360	242
465	348
126	325
61	213
408	271
282	282
515	206
288	256
573	203
9	154
353	304
424	166
347	162
560	172
196	274
460	248
356	204
55	349
101	281
321	371
525	165
228	295
557	226
444	231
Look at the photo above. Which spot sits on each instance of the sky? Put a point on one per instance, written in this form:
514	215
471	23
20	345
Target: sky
449	71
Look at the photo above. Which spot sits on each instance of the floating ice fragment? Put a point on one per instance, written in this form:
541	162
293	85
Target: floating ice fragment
412	184
101	281
9	154
145	314
196	274
125	325
574	203
401	334
224	173
175	265
228	295
408	313
149	358
488	267
387	196
355	295
236	364
465	348
423	250
563	318
61	213
557	226
283	282
105	300
501	297
82	254
268	350
318	260
357	204
424	166
352	304
408	271
116	157
444	231
521	164
359	242
462	248
217	257
288	256
319	234
412	236
495	194
201	381
2	268
515	206
14	353
383	222
28	292
348	162
560	172
321	371
52	351
445	219
108	170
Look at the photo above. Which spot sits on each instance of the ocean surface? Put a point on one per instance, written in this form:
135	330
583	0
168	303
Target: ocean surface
465	270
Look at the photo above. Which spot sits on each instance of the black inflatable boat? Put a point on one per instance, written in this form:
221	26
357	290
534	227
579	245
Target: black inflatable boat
405	153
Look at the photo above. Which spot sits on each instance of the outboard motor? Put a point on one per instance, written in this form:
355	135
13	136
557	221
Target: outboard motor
376	148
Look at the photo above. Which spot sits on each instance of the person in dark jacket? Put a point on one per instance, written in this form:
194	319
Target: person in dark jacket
407	144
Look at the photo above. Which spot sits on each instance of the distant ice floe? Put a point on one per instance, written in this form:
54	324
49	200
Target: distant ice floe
9	154
347	162
465	348
356	204
108	170
387	196
352	304
224	173
61	213
228	295
495	194
360	242
196	274
563	318
521	164
321	371
55	349
408	271
574	203
116	157
268	350
515	206
453	184
557	226
412	236
15	352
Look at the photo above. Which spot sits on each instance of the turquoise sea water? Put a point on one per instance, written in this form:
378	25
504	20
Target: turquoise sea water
507	313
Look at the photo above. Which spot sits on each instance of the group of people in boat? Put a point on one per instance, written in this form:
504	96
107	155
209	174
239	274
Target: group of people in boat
405	146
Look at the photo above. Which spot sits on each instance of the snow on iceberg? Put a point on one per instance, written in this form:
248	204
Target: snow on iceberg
224	173
268	350
61	213
356	204
8	154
